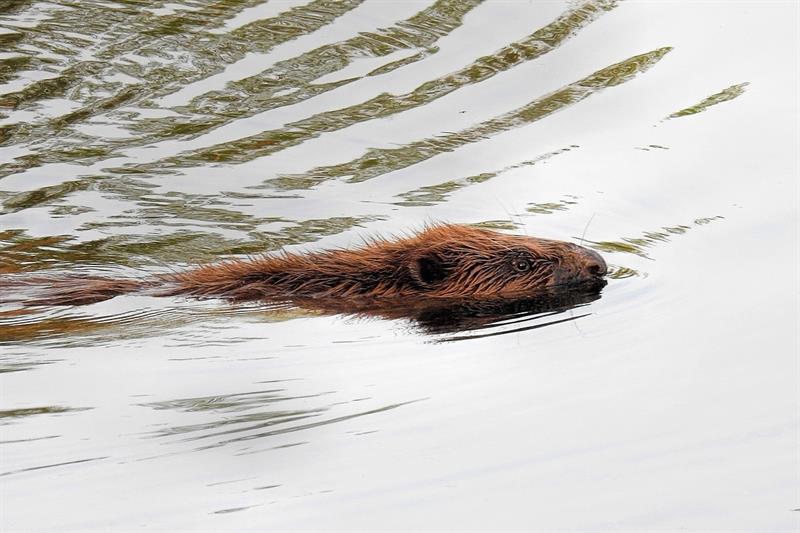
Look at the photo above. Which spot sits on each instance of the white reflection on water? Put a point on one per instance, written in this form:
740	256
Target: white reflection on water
670	405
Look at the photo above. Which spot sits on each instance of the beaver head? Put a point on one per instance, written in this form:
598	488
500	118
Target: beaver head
463	261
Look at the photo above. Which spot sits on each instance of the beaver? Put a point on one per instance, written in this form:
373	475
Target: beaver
442	262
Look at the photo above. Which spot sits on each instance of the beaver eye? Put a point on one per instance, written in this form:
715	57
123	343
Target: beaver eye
521	265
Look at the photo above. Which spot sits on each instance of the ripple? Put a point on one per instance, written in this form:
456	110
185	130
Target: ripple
639	245
377	162
734	91
33	411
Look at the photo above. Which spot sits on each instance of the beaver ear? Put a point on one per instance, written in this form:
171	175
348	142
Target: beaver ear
427	269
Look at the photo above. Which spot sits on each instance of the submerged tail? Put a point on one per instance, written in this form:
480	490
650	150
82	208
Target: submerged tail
69	290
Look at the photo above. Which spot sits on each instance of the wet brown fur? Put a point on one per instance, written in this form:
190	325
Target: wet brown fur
441	262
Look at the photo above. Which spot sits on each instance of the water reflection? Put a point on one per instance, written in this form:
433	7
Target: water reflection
256	415
379	161
734	91
184	48
32	411
440	192
20	252
447	316
639	245
537	44
57	328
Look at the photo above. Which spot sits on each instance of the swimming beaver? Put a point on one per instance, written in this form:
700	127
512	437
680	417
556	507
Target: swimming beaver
444	261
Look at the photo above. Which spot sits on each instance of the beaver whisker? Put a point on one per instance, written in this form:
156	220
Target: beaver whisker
586	228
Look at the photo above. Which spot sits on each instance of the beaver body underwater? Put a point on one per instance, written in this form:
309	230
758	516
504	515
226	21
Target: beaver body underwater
443	262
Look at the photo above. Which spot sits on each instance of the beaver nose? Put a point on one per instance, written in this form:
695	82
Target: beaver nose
593	263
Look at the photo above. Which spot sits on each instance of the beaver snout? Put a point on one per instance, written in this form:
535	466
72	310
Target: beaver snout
584	266
594	266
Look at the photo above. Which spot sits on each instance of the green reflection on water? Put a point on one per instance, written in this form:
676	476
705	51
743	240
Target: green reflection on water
621	272
32	411
377	162
734	91
440	192
71	328
161	60
45	195
535	45
639	245
269	89
547	208
20	253
434	194
134	33
499	225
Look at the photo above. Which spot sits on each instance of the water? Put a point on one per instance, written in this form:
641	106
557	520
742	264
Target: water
138	137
